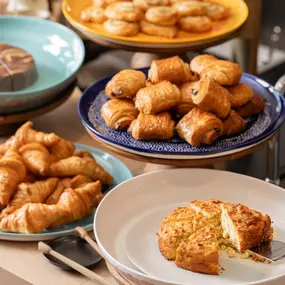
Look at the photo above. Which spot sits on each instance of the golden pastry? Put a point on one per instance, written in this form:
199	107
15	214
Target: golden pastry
240	94
125	84
121	28
158	30
157	98
36	192
12	172
118	113
199	127
246	228
36	158
75	165
105	3
12	142
200	252
123	11
60	187
144	5
234	124
165	16
199	63
223	72
172	69
211	97
216	12
190	8
93	15
253	107
199	24
62	149
83	153
31	218
152	127
26	134
74	204
186	104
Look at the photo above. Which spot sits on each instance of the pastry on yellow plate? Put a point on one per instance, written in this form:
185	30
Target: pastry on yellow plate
125	84
144	5
123	11
215	11
200	252
165	16
199	127
199	24
234	124
245	227
172	69
157	98
105	3
240	94
223	72
93	15
152	127
158	30
121	28
199	63
190	8
118	113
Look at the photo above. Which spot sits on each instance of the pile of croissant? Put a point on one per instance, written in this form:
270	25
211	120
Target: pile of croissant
163	18
45	182
203	101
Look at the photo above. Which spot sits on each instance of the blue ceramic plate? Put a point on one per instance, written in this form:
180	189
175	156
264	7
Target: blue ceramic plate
115	167
258	127
58	53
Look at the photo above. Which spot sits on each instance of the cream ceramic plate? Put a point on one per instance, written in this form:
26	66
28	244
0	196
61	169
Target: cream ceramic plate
128	239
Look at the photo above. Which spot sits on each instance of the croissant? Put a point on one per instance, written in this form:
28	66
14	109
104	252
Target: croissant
31	218
199	127
157	98
234	124
172	69
83	153
253	107
12	172
30	193
152	127
186	102
36	158
75	204
125	84
30	177
62	149
12	142
75	182
75	165
211	97
223	72
118	114
27	135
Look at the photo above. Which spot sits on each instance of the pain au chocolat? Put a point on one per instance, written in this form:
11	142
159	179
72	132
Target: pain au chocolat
17	68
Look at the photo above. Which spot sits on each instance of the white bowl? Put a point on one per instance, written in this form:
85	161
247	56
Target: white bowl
156	193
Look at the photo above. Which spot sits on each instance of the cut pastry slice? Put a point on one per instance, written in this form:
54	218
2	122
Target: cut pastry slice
30	193
36	158
245	227
200	252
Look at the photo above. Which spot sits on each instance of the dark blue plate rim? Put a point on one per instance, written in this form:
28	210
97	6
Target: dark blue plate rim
270	130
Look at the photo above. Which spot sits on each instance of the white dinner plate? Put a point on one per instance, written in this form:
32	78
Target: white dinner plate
128	239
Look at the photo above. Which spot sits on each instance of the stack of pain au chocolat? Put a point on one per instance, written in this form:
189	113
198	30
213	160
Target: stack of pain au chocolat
154	17
206	98
45	182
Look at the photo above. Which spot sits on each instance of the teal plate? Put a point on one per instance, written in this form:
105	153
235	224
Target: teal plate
112	165
58	53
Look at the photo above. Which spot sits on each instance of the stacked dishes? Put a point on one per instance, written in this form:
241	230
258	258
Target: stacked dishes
54	54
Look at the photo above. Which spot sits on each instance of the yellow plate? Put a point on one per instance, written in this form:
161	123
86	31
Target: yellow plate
238	15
